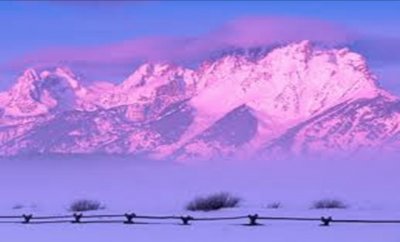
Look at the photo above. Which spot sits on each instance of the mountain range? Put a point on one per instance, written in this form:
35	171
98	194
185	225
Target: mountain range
297	99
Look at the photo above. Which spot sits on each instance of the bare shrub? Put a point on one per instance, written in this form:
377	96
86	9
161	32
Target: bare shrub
18	206
213	202
85	205
329	204
274	205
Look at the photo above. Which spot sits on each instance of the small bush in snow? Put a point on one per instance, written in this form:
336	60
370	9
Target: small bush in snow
328	204
17	206
274	205
213	202
85	205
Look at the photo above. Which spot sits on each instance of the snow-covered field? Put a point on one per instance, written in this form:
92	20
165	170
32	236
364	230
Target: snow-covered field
48	186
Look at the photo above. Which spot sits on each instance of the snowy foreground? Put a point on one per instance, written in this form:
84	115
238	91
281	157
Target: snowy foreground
47	187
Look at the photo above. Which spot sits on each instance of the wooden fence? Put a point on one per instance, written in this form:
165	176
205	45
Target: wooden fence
132	218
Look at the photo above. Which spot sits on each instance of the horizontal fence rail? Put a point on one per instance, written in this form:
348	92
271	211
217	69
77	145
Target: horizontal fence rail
132	218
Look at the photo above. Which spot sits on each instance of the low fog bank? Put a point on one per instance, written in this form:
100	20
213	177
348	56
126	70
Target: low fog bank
127	183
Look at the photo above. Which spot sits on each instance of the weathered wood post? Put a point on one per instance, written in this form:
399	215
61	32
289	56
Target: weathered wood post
253	219
326	221
186	219
129	218
27	218
77	217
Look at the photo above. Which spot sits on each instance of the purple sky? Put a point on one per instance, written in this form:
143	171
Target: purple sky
106	40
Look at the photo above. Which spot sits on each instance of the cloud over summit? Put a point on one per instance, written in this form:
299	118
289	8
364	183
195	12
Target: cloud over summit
240	33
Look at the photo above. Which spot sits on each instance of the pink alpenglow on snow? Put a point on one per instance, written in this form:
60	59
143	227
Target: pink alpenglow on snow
296	99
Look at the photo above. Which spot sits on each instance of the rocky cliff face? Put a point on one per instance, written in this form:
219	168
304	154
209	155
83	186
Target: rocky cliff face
293	99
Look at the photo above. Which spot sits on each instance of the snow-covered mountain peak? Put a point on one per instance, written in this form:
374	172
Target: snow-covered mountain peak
301	49
152	81
148	74
69	76
25	82
296	79
29	75
37	93
235	101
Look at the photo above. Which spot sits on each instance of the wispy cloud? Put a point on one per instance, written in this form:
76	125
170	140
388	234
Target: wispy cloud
270	30
244	32
104	61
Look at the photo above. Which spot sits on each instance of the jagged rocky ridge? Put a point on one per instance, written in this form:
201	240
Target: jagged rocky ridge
295	99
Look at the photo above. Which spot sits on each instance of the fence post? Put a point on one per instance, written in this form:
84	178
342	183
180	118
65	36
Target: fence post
186	219
326	221
253	219
77	217
27	218
129	218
